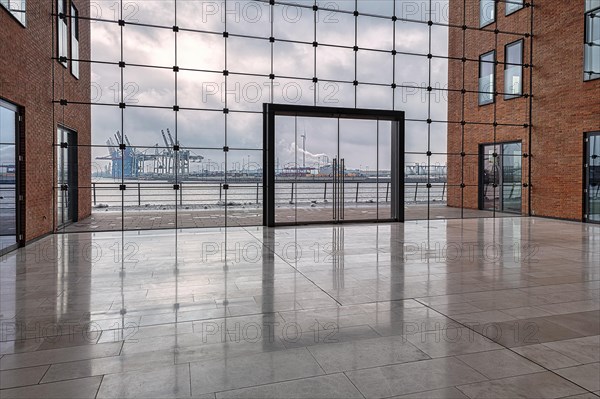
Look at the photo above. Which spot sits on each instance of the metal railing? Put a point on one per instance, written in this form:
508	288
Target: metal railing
287	192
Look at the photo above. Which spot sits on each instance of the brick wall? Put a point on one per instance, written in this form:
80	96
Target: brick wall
563	105
27	71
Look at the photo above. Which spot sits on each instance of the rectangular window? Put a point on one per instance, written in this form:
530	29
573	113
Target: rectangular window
16	8
487	77
74	41
513	5
513	70
62	30
591	63
487	12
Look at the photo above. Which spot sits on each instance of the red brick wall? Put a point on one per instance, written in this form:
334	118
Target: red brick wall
26	76
563	105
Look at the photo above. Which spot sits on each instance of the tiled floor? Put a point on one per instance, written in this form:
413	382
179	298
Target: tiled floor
489	308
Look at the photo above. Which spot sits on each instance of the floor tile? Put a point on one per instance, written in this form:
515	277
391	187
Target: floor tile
246	371
21	377
583	350
500	364
324	387
407	378
446	393
545	356
540	385
366	353
51	356
75	389
451	341
587	375
165	382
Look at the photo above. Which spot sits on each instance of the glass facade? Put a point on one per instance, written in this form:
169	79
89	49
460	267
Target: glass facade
178	88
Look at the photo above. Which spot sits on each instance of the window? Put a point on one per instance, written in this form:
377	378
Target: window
487	77
16	8
487	12
513	5
62	30
513	70
74	41
592	40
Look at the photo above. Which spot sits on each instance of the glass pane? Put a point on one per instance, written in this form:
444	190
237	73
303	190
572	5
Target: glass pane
487	12
358	152
592	46
513	72
513	5
489	192
486	78
7	125
511	177
593	210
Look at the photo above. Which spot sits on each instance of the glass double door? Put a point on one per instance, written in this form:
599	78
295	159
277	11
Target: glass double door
592	178
500	186
332	170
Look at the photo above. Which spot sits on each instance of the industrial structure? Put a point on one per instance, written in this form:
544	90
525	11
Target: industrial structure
128	161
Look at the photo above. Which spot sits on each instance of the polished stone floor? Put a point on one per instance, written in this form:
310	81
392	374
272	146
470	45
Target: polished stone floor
480	308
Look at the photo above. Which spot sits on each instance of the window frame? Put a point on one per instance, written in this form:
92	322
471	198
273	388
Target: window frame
74	35
508	96
6	4
589	75
493	92
60	25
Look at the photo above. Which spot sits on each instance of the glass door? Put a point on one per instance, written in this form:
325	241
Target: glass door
331	165
511	178
500	177
490	177
8	176
66	176
592	178
358	158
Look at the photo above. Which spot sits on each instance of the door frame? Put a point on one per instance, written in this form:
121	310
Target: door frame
19	175
72	153
585	217
270	111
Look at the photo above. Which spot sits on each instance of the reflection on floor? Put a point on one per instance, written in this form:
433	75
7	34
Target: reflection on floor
105	220
499	308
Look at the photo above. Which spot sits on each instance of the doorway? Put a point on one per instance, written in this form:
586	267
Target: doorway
67	184
500	181
591	191
332	165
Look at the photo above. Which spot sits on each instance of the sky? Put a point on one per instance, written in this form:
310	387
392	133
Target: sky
203	52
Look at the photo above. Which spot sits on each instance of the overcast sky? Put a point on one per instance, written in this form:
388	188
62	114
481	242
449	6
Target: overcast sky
202	51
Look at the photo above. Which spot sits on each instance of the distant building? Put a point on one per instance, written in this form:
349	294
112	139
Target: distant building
545	125
47	143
